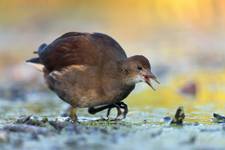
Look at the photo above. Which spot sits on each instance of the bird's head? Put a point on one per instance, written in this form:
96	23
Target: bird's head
138	69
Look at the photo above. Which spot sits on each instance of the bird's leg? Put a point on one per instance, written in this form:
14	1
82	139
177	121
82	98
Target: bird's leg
72	114
124	106
94	110
119	112
118	106
108	111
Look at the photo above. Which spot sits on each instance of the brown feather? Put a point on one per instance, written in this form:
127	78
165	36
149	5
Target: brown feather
79	49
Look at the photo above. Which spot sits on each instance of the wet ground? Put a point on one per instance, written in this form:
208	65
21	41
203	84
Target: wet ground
42	124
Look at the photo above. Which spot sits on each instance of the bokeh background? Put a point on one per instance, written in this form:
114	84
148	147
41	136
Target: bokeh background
183	39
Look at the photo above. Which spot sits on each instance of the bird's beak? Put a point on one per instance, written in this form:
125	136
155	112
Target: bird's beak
148	76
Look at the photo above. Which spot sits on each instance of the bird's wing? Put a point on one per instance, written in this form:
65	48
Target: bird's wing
76	48
109	46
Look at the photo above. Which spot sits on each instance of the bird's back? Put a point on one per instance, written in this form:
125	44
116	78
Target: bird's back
76	48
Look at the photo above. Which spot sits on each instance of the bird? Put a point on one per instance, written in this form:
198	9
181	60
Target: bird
91	70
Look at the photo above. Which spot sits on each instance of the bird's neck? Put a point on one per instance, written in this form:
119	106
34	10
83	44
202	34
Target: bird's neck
124	74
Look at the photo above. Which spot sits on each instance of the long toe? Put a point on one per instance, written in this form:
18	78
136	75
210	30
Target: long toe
119	113
124	114
108	112
124	107
125	110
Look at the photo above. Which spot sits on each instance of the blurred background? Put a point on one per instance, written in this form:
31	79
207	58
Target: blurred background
183	39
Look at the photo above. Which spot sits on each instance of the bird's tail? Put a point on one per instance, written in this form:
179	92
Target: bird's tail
36	63
41	48
35	60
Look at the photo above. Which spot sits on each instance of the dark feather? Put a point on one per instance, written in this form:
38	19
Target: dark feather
35	60
41	48
76	48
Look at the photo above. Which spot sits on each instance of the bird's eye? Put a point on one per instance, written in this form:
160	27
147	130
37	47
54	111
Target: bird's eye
139	68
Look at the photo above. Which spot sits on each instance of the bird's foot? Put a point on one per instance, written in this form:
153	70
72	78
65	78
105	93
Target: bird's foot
94	110
121	107
73	115
125	109
122	110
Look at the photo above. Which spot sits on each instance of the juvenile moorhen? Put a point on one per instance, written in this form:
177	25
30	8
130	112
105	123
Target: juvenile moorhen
91	70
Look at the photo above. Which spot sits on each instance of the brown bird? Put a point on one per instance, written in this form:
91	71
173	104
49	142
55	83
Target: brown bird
92	71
